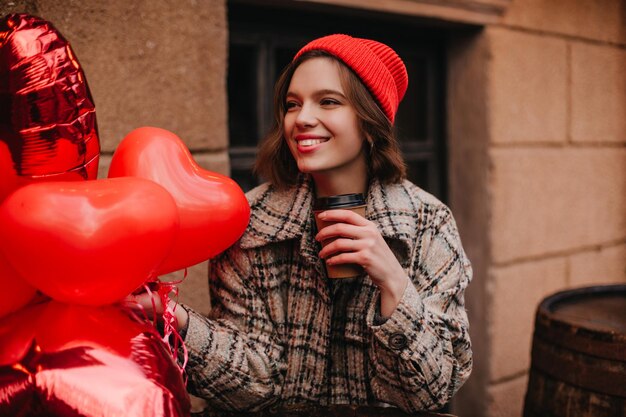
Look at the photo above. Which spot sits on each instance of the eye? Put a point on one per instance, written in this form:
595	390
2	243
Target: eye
291	104
329	102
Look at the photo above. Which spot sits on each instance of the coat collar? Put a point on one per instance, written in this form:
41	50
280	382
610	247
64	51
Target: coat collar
281	215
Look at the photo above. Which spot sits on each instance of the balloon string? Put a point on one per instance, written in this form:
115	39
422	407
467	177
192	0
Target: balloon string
171	337
170	332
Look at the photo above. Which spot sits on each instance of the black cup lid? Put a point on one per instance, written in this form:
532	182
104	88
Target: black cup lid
339	201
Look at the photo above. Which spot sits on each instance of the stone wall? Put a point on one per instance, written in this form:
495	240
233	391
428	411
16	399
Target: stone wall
544	145
151	63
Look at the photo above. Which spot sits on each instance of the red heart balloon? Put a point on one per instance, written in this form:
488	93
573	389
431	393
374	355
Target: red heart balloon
90	242
66	326
17	332
213	209
48	129
16	292
55	326
10	180
48	117
86	361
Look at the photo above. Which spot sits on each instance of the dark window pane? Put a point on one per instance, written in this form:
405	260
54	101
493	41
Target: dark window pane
244	178
282	57
412	118
242	112
241	162
418	173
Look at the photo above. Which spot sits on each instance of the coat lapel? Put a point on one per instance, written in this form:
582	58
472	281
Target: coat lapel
280	215
395	215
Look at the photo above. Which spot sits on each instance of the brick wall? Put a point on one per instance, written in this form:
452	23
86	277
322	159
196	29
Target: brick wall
546	92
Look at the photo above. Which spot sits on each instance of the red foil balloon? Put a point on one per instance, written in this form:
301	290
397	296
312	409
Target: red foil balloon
47	118
15	292
86	361
48	125
213	209
88	242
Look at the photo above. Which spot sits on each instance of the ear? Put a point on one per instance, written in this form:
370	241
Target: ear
370	142
372	162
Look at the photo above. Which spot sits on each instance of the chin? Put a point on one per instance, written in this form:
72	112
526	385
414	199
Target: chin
305	169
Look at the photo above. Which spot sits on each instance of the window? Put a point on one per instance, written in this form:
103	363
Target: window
264	39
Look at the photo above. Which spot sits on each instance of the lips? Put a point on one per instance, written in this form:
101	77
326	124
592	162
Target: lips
308	141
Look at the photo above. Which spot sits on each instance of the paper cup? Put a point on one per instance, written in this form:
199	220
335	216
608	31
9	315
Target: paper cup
354	202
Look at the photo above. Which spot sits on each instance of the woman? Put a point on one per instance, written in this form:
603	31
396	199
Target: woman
280	331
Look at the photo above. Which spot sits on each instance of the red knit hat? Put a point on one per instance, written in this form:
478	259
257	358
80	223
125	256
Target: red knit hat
376	64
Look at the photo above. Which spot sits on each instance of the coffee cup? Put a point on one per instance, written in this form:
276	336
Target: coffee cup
353	202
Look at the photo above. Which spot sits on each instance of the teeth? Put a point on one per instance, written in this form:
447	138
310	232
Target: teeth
311	142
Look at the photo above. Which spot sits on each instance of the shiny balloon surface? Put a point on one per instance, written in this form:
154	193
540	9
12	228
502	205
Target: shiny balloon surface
83	241
88	242
48	124
213	209
86	361
48	128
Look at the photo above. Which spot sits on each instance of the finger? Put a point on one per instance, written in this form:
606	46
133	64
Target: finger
346	258
340	245
337	230
148	302
344	216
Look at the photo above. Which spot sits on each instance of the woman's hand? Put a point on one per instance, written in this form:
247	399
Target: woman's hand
358	241
144	302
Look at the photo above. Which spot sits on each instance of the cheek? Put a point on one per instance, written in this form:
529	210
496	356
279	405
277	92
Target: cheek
346	124
287	127
290	144
352	138
288	123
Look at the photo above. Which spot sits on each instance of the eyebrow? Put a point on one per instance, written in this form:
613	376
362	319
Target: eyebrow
319	93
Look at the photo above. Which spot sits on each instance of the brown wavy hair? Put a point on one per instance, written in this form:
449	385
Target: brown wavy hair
274	161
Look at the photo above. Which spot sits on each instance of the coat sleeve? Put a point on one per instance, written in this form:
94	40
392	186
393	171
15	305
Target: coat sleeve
422	354
236	359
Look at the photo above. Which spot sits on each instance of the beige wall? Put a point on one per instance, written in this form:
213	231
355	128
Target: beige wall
537	120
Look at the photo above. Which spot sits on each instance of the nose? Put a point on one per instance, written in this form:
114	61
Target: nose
306	116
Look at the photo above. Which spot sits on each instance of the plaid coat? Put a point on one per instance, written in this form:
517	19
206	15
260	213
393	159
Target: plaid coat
280	332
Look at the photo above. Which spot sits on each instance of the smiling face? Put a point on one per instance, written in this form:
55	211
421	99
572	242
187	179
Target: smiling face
320	124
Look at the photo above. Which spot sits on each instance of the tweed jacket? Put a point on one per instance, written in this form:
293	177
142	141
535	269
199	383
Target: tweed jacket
280	332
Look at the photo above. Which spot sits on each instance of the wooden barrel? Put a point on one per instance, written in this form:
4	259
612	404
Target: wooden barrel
578	365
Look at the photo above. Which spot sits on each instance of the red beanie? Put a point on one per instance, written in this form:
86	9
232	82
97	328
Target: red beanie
376	64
